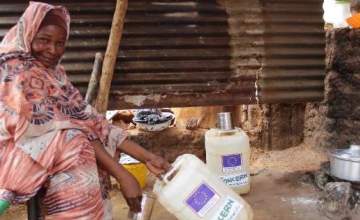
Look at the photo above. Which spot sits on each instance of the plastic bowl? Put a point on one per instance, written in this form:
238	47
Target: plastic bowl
354	21
155	127
143	125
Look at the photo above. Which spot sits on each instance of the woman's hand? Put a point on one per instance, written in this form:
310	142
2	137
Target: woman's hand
131	191
154	163
157	165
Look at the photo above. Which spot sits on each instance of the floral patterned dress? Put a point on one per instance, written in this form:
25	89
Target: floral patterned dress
45	131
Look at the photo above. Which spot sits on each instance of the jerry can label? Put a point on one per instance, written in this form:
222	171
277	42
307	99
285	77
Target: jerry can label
228	210
231	163
202	199
236	180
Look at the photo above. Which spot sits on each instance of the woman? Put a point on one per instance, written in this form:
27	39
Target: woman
51	138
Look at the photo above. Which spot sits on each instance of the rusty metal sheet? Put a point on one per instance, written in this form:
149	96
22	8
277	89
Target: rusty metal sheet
302	64
198	53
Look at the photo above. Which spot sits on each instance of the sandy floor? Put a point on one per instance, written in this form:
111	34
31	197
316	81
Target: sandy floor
281	188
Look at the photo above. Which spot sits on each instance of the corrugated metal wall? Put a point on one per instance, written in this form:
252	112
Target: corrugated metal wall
294	51
200	52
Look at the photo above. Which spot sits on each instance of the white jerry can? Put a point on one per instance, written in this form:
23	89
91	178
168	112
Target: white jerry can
190	191
228	156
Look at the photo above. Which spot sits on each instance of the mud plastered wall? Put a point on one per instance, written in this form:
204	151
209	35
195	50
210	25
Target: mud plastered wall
335	122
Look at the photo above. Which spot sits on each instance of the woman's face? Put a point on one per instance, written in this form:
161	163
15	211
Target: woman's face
48	45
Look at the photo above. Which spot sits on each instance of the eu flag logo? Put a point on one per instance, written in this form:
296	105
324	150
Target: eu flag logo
231	162
202	199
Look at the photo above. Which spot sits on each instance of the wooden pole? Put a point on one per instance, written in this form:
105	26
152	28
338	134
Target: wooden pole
94	80
110	56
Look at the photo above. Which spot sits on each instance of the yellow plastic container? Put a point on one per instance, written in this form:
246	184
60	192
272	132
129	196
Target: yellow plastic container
137	169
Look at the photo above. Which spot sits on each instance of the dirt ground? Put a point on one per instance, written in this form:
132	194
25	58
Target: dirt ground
281	188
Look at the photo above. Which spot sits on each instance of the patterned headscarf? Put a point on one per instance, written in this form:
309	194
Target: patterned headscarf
20	36
44	96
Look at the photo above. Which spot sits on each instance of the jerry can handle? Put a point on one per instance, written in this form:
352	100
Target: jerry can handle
175	167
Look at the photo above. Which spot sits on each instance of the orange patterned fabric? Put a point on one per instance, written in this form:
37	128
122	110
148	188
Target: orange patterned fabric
45	128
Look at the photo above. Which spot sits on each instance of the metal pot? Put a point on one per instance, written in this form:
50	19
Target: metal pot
345	163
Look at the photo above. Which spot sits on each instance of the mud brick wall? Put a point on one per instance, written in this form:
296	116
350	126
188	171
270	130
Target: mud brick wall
274	126
335	122
172	142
